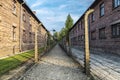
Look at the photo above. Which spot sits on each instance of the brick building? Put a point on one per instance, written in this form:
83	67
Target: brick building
104	27
17	28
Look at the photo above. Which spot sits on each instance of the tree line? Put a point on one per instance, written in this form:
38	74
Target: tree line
65	29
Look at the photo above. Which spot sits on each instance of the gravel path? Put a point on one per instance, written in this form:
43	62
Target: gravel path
56	65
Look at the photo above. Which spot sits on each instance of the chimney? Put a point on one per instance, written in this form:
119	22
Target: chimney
34	12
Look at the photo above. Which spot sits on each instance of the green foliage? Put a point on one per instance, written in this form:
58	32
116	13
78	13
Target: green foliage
56	35
40	50
68	25
69	22
48	38
15	61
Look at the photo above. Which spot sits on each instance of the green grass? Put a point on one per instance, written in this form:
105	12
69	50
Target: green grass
40	50
13	62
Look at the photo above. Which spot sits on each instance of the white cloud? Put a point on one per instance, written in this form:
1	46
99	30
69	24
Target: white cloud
54	20
37	3
44	11
53	13
62	6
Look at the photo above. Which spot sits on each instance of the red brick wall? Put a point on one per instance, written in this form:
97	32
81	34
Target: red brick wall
109	44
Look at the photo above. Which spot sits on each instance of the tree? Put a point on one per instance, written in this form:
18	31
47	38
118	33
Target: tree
56	35
68	23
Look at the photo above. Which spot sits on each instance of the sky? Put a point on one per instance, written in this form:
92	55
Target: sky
53	13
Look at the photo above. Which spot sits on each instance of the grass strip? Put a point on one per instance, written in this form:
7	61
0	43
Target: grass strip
12	62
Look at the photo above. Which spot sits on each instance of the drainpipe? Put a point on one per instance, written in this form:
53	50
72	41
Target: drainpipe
87	49
20	26
36	43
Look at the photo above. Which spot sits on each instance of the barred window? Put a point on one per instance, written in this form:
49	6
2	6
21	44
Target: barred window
92	17
30	37
14	33
79	38
116	30
93	35
102	10
116	3
24	18
82	37
82	24
14	7
78	26
102	34
24	36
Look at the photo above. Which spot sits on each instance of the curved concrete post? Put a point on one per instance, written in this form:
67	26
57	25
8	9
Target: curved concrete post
87	50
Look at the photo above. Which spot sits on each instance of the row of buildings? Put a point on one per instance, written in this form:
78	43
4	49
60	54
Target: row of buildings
18	24
104	27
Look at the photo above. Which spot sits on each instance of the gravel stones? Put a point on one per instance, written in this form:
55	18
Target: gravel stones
56	65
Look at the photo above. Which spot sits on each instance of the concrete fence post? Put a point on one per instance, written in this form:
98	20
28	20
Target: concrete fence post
87	49
20	27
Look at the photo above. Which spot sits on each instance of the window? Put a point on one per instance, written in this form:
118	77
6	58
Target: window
14	7
81	24
24	18
33	38
102	33
75	39
74	32
82	37
13	49
93	35
116	30
30	37
92	17
24	36
30	22
116	3
78	26
79	38
76	29
30	25
14	33
102	10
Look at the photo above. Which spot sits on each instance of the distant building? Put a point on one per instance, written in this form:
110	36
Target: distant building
17	28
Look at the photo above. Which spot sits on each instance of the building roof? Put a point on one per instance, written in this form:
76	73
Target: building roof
91	6
32	13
